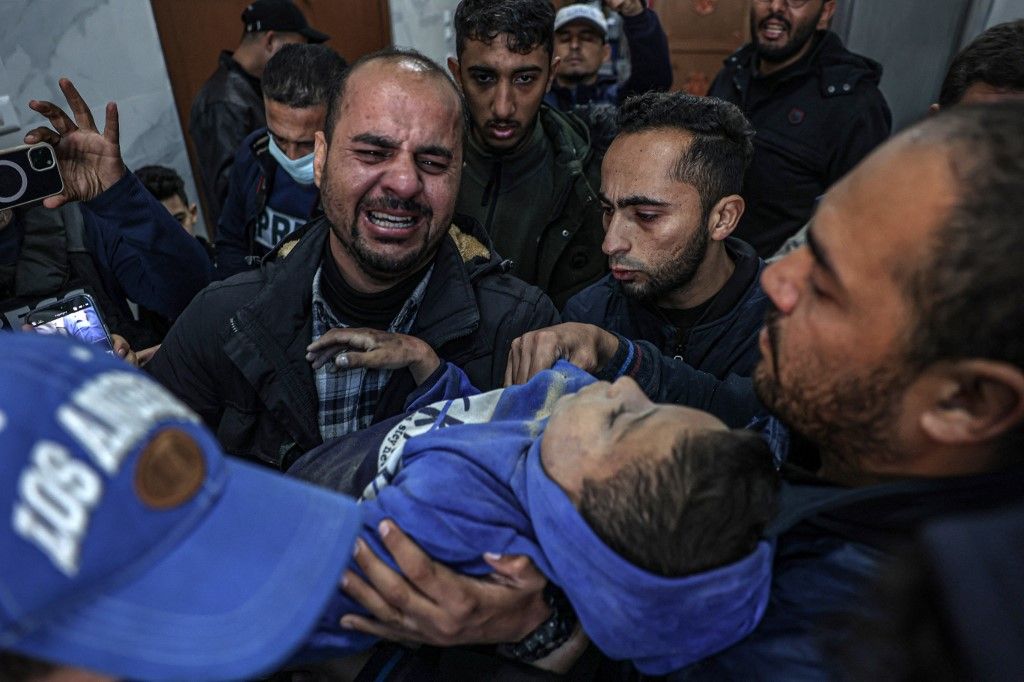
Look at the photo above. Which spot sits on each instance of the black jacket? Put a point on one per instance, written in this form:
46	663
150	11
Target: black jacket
251	184
228	107
710	370
815	120
237	353
831	544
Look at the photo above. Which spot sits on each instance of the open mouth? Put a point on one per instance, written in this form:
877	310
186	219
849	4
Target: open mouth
774	29
390	221
503	131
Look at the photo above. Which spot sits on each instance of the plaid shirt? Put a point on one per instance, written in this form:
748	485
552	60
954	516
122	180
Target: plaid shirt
348	398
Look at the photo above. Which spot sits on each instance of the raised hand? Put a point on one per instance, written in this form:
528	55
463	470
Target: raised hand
90	161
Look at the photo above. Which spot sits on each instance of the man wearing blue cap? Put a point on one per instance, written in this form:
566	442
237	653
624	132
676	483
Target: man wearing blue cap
131	546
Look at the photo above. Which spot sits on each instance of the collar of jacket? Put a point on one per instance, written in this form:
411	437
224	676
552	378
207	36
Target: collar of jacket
570	139
652	325
838	69
266	339
227	60
886	513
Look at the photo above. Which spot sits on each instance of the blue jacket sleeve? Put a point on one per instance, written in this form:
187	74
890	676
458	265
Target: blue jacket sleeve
651	67
232	229
157	264
446	383
667	380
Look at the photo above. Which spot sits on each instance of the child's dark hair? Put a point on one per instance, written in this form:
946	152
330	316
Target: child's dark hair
162	182
703	505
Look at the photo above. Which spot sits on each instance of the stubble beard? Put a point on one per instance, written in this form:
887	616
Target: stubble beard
851	419
669	277
797	40
373	263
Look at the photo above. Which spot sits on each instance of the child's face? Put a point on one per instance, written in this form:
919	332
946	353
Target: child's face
593	433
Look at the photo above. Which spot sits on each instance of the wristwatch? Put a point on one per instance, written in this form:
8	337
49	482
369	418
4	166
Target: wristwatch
549	635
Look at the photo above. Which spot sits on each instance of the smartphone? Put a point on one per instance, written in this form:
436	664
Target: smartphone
75	316
28	173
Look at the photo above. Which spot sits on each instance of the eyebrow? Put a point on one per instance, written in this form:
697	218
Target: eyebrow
490	70
632	200
279	136
636	423
390	143
820	255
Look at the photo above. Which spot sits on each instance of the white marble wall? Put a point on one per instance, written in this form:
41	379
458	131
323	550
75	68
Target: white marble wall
425	25
111	51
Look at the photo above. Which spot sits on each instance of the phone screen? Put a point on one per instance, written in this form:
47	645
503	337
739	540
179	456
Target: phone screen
79	320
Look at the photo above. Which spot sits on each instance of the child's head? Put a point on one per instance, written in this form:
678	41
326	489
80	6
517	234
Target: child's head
668	488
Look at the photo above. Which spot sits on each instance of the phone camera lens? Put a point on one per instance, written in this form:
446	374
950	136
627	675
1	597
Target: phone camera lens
41	158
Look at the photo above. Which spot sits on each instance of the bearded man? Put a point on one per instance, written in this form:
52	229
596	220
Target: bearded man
682	307
389	275
815	105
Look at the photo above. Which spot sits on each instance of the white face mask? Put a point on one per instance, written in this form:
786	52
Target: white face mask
300	169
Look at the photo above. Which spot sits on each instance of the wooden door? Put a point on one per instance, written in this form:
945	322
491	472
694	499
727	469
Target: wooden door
193	32
702	33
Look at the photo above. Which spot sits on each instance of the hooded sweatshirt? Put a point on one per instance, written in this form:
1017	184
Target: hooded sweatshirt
463	476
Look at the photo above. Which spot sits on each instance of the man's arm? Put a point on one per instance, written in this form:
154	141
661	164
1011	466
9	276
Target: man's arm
158	264
650	64
609	356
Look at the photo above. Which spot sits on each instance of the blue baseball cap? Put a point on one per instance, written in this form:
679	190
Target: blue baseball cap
130	546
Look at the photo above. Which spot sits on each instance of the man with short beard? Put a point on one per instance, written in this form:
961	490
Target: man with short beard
682	306
895	357
815	105
389	278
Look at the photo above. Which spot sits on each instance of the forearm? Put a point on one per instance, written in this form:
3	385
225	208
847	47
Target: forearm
666	379
156	263
650	64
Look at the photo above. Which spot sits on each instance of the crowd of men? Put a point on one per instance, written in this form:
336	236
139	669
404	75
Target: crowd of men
629	383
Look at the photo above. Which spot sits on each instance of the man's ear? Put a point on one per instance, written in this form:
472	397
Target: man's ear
975	401
555	61
453	66
606	52
725	216
933	109
827	10
267	42
193	211
319	155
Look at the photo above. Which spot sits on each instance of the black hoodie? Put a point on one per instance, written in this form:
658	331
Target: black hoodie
815	120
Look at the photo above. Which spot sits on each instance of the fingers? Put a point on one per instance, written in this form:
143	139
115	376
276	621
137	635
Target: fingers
515	570
42	134
373	627
83	117
364	593
392	588
362	339
54	114
146	354
420	570
111	129
531	353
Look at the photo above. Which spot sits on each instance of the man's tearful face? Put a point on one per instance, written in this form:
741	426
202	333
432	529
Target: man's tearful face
391	173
